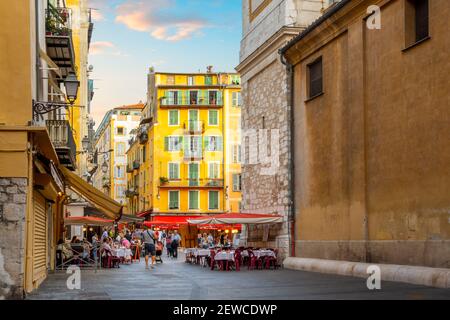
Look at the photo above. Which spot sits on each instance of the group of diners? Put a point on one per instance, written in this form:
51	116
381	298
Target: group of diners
229	258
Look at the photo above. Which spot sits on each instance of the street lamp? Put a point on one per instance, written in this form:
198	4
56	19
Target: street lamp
72	84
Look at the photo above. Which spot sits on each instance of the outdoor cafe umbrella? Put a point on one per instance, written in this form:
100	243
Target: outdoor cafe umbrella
238	218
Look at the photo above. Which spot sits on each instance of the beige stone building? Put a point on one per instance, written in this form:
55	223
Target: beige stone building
371	133
267	26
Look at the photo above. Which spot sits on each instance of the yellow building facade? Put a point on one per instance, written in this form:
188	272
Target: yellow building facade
184	158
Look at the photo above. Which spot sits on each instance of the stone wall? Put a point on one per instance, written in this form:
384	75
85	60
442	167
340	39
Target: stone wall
265	100
13	198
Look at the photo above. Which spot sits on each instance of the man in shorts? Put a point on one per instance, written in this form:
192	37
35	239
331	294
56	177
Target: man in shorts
148	239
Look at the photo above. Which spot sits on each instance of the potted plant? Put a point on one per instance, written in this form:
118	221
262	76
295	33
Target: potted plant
163	180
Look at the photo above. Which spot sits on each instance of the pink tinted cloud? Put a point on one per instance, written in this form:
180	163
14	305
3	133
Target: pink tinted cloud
105	48
149	17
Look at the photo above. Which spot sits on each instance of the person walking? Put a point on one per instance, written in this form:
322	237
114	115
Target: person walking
148	238
169	245
176	240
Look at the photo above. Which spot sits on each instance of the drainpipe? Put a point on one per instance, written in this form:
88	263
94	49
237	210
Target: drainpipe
290	117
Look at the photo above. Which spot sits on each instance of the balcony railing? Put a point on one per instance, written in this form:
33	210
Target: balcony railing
194	183
192	126
193	154
59	39
143	138
61	136
169	101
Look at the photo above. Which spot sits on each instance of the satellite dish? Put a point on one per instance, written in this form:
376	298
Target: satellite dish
91	68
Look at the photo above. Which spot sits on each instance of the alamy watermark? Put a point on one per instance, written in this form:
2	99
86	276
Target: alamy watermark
374	280
74	280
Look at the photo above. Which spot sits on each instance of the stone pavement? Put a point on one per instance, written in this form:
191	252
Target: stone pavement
175	279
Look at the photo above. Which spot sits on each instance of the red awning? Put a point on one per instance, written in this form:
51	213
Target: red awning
180	220
238	218
144	213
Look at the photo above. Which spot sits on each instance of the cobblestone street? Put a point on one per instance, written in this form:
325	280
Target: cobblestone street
178	280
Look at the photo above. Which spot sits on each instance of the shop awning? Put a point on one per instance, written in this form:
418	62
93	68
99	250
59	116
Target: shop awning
89	221
238	218
126	218
108	206
144	213
180	220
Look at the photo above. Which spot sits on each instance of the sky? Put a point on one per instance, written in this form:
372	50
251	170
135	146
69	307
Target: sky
130	36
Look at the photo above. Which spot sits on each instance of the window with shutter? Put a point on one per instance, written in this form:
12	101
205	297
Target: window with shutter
174	200
174	171
194	200
208	80
213	170
315	78
213	117
213	200
173	118
236	182
193	97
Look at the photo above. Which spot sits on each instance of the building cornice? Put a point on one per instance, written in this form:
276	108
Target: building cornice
280	38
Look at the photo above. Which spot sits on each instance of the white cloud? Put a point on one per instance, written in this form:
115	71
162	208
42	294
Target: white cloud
105	48
150	17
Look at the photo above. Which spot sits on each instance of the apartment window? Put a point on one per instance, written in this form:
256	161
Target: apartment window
194	200
190	80
120	149
417	21
214	170
236	99
315	78
120	172
193	97
213	117
174	98
237	182
194	145
120	191
236	157
213	143
173	143
174	117
120	131
174	200
174	171
213	98
193	174
213	200
170	79
208	80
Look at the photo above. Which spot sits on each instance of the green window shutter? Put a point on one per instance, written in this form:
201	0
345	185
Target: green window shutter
173	200
166	143
219	98
179	97
193	200
213	200
219	143
206	143
213	117
180	143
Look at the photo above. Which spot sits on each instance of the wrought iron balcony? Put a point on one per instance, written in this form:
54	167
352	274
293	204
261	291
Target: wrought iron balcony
143	137
194	184
190	154
59	38
192	127
61	136
216	101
